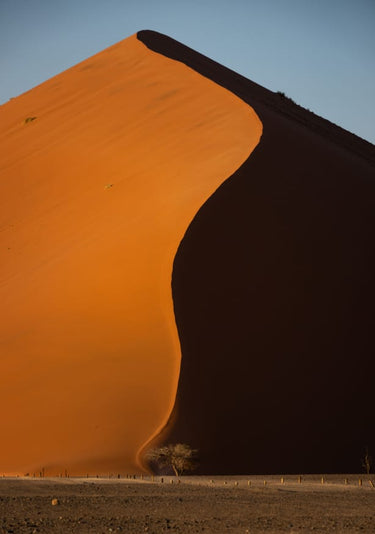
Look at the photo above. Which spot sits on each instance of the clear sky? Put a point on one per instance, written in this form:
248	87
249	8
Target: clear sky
321	53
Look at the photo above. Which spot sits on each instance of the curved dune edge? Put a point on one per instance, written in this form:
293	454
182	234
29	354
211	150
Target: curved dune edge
96	195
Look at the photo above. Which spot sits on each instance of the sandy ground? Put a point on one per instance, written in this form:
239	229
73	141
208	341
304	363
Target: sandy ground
196	504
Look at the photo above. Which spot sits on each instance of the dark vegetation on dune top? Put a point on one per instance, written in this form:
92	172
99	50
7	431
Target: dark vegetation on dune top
274	291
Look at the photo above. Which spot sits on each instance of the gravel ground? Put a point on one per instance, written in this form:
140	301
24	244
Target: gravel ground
197	504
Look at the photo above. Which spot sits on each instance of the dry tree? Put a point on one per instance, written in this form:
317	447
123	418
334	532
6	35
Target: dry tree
179	456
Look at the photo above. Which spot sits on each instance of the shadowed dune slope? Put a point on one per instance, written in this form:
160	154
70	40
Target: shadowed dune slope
274	292
102	169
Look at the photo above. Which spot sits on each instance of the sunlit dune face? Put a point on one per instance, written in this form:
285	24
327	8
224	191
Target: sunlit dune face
96	193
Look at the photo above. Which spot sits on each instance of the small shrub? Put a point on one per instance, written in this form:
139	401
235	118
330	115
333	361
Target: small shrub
367	462
282	95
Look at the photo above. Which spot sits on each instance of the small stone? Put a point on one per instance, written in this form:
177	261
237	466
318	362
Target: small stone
55	502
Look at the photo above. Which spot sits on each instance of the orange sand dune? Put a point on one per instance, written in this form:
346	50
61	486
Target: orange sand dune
96	194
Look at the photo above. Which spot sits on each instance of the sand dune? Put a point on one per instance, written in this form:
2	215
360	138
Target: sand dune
274	291
102	169
145	157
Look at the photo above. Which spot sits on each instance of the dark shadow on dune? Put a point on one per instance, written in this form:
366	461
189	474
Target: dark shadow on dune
274	295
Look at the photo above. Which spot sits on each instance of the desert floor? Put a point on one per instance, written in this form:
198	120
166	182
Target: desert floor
196	504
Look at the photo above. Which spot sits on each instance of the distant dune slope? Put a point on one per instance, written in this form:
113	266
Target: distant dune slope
102	169
274	293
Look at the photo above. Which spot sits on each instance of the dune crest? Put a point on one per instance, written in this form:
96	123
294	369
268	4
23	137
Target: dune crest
102	169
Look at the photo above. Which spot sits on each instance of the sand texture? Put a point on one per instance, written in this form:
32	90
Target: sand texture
274	292
102	169
194	506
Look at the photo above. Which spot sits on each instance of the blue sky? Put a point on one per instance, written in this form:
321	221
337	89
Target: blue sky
321	53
